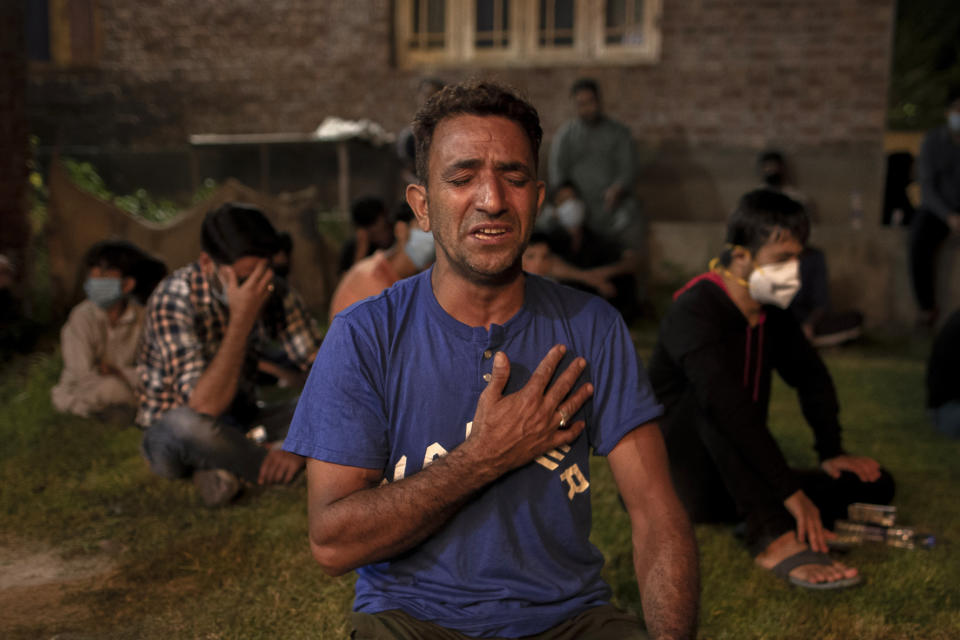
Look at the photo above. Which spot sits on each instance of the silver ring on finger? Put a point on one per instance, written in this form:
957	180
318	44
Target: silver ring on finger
270	287
563	417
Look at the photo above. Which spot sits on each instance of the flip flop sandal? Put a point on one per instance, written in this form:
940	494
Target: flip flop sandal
783	568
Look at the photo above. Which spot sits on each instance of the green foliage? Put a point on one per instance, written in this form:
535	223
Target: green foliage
245	571
139	203
926	62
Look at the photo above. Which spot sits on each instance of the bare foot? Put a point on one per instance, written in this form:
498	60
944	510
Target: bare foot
788	545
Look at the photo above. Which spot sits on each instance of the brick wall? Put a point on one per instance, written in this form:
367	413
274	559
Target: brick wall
735	76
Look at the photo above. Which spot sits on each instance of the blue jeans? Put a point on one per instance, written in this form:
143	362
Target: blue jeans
182	441
946	418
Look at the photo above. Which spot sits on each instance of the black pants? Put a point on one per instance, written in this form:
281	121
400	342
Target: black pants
716	484
927	233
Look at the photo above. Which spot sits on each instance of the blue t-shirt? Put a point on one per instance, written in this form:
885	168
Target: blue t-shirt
396	384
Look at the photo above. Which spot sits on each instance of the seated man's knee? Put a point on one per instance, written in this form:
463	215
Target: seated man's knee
165	442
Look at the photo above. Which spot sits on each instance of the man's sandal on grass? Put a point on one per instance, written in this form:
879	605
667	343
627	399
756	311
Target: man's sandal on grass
788	564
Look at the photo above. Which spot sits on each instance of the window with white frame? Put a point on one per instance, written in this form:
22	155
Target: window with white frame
437	33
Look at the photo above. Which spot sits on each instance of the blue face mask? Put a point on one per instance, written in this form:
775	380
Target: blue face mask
103	292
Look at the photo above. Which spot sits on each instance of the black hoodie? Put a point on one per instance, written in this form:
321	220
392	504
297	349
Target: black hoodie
710	360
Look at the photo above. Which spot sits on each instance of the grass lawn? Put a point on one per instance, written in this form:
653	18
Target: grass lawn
77	490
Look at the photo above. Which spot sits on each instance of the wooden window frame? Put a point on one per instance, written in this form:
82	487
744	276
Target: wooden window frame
524	50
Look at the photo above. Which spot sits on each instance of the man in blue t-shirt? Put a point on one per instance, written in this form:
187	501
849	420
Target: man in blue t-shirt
448	422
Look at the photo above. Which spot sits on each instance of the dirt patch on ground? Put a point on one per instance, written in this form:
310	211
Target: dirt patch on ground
37	583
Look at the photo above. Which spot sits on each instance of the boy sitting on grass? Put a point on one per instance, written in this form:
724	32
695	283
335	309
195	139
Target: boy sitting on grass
719	342
99	339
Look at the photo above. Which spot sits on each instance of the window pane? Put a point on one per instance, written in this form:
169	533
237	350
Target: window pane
493	23
556	23
624	22
428	22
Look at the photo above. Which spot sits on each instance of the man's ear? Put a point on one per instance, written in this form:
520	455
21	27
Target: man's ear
417	199
128	285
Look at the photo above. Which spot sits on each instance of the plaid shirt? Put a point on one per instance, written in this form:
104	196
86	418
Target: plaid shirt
184	328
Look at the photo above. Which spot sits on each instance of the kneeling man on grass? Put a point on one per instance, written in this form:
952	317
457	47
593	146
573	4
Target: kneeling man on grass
719	342
449	420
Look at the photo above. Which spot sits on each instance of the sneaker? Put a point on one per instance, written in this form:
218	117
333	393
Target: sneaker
216	487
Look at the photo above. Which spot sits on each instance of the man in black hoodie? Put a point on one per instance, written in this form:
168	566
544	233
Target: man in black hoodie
711	368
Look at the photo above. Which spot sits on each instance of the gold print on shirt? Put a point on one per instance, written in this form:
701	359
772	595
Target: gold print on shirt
552	459
576	482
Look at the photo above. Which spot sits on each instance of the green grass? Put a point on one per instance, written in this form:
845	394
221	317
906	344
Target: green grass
80	486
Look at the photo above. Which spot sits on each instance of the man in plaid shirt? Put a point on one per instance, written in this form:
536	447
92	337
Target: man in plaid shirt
198	359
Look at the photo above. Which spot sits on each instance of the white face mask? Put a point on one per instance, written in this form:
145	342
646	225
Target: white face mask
419	247
570	214
775	284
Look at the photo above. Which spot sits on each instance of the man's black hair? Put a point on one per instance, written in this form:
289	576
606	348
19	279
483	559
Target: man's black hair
402	213
478	99
770	155
233	230
953	94
585	84
566	184
539	237
758	215
285	243
114	254
366	210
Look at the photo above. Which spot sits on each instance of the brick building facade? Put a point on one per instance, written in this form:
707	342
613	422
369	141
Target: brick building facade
732	77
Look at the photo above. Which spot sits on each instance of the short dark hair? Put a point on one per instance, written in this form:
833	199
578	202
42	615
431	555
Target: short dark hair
366	210
770	155
585	84
479	98
402	213
953	94
566	184
760	213
114	254
285	243
539	237
234	230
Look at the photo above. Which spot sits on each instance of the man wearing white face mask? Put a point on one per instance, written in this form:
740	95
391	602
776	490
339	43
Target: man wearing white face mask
712	369
411	253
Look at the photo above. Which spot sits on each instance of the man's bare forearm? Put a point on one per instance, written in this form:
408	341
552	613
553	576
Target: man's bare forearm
217	385
382	521
668	574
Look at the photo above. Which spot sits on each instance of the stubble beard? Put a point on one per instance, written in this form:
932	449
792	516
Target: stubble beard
470	270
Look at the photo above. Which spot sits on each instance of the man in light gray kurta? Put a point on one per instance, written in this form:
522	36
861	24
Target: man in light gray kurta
597	155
